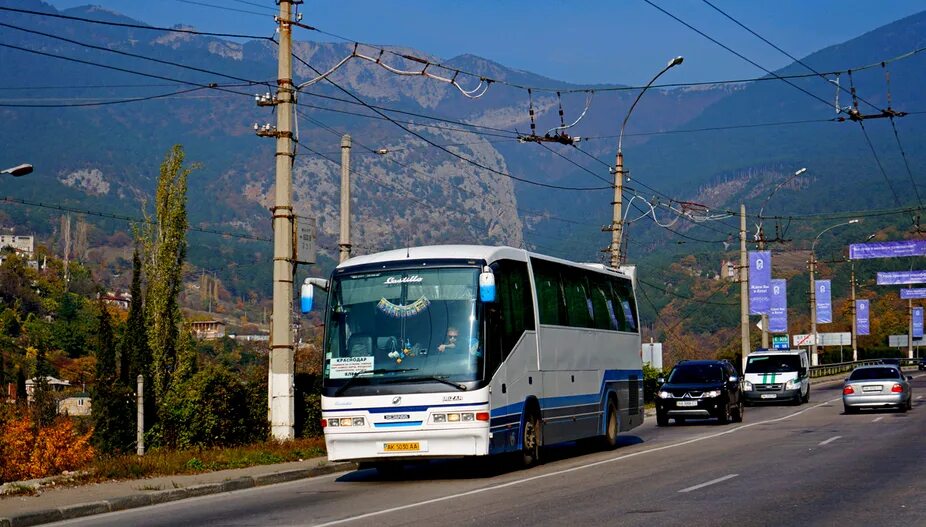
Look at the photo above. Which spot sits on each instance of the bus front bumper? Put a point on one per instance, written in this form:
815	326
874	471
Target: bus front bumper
407	444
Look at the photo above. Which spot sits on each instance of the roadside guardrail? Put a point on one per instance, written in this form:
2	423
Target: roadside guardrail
836	368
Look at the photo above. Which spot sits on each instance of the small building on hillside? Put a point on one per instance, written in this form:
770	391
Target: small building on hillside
55	385
728	270
120	300
23	245
208	329
75	404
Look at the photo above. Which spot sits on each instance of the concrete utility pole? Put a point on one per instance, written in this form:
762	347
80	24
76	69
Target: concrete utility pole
814	359
140	422
744	290
344	246
764	315
910	328
854	317
282	414
617	225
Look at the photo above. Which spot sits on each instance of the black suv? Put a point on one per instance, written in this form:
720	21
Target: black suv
700	389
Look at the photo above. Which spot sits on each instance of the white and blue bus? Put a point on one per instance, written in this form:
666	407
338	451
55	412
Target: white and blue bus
460	350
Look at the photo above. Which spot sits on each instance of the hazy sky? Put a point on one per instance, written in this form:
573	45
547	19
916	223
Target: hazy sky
583	41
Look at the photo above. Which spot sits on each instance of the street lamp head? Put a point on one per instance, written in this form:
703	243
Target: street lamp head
801	171
381	151
19	170
855	220
676	61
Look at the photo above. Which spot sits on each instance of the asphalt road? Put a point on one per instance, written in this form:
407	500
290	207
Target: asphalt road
784	465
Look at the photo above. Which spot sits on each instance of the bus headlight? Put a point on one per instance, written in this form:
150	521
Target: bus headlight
346	421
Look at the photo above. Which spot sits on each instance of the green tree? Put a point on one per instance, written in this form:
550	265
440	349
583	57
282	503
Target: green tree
112	400
164	242
21	386
44	406
134	355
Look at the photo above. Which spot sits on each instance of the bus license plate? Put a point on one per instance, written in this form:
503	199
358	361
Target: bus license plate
769	396
405	446
687	403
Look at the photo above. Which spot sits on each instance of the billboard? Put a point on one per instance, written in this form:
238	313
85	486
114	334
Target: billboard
898	249
824	302
902	277
760	276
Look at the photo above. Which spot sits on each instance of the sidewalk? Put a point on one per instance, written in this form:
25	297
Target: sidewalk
60	503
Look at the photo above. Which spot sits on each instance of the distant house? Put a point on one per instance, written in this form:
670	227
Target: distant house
24	245
728	270
251	337
75	404
55	385
120	300
208	329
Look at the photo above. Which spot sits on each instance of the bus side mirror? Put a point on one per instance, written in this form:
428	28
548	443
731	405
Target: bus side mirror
307	292
306	296
486	285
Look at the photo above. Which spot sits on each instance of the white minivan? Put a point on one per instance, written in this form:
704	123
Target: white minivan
777	375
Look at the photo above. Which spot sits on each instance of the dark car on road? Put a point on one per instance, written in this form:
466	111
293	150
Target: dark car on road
921	365
700	389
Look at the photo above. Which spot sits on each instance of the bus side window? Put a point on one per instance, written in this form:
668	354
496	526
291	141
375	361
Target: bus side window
550	299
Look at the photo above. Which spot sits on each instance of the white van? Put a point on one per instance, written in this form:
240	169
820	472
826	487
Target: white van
777	375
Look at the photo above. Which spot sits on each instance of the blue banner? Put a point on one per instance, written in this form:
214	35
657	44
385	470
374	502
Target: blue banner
917	322
899	249
824	302
908	294
778	309
760	277
902	277
861	318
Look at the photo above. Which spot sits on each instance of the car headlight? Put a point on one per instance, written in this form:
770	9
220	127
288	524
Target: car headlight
664	395
793	384
711	394
747	386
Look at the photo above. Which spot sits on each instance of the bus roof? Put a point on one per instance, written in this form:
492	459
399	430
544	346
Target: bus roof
487	253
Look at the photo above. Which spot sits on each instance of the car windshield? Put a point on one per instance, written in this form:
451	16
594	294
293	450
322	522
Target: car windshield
402	325
696	374
773	364
864	374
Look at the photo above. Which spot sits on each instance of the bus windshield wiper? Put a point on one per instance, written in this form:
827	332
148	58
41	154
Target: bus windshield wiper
422	378
378	371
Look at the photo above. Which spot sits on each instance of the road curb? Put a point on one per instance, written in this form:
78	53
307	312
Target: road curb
164	496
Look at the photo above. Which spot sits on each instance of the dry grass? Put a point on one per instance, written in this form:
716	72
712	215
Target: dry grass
168	463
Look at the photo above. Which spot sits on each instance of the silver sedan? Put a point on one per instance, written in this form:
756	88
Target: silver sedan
877	386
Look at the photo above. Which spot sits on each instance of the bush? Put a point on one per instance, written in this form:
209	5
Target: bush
212	408
308	405
27	453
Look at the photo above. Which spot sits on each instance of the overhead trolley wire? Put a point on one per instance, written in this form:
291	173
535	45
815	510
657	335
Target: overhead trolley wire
444	149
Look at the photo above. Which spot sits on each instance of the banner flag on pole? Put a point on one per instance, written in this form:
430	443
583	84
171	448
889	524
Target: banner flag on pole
861	317
917	322
760	276
824	302
778	308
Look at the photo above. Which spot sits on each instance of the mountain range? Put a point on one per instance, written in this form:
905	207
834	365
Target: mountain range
693	153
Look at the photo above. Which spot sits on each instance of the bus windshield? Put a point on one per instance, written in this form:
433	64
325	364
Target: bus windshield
395	326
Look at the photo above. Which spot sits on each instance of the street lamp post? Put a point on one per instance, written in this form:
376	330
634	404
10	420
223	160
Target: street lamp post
18	170
616	226
814	360
760	238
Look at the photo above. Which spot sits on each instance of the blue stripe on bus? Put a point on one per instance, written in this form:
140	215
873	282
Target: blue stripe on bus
396	425
391	409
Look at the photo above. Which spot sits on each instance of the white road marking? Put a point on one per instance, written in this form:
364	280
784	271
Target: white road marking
918	397
568	470
876	419
711	482
828	441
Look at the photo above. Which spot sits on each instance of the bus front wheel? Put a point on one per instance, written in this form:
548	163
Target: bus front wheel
530	440
612	426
